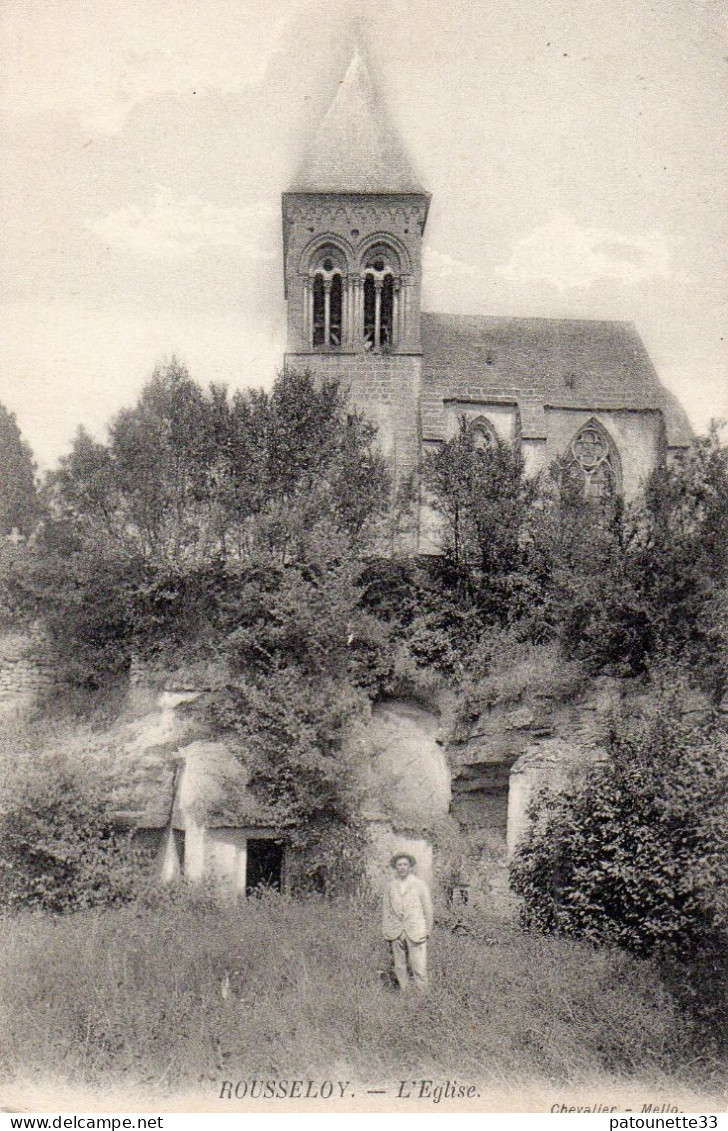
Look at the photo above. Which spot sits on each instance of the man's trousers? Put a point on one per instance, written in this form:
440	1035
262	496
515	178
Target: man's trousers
402	949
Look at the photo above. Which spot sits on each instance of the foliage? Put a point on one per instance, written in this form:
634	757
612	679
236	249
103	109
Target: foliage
415	601
85	602
331	858
189	477
492	576
578	557
254	528
145	535
18	498
212	526
627	587
482	497
680	559
505	669
637	855
621	586
59	848
302	658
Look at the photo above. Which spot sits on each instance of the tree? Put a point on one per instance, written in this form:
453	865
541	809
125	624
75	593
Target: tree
150	491
18	499
627	586
148	534
679	560
302	659
187	475
578	558
482	496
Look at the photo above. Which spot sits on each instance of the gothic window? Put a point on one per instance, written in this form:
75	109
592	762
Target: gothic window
595	461
326	305
381	298
483	435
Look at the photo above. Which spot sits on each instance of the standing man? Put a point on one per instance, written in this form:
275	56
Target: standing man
407	921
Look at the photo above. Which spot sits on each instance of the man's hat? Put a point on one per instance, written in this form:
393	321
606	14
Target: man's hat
402	856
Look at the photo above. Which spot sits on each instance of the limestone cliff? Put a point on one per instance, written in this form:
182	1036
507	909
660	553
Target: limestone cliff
449	779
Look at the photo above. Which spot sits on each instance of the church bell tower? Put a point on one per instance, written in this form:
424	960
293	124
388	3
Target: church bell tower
353	221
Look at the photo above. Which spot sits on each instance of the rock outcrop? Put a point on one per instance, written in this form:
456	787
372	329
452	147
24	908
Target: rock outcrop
521	734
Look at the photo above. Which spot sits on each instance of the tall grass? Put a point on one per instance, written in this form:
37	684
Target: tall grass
191	992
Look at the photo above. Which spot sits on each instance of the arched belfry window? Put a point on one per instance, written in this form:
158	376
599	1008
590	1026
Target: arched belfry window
325	306
381	271
386	327
335	313
594	459
319	312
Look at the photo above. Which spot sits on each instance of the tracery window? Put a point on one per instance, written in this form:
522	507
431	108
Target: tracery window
594	459
483	435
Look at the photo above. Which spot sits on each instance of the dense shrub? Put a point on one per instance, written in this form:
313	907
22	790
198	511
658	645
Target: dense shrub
417	602
59	847
330	857
302	660
637	855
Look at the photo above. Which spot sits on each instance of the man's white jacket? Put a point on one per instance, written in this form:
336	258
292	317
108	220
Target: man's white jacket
407	909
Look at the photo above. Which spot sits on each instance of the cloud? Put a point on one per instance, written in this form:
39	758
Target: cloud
95	63
177	227
64	364
569	256
439	267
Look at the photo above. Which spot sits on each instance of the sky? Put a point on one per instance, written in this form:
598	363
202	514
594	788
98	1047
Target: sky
575	152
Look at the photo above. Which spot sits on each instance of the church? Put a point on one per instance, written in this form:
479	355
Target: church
354	219
456	798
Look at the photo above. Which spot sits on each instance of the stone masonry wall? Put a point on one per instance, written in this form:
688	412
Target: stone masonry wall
351	223
28	668
386	388
639	438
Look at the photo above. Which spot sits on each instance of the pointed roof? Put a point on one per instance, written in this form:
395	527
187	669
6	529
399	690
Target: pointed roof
356	148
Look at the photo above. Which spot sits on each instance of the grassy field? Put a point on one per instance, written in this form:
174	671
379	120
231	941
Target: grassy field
186	993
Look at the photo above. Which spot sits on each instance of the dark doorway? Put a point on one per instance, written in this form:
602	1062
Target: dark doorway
179	841
265	865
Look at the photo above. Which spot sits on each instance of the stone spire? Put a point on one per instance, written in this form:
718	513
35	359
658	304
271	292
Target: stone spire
356	148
